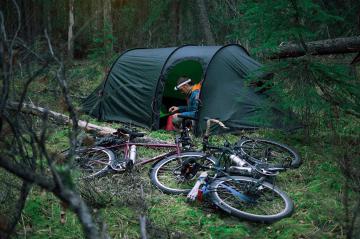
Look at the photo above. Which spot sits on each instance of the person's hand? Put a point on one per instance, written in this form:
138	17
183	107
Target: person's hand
173	109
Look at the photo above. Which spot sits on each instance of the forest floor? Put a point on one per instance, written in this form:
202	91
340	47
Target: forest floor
316	189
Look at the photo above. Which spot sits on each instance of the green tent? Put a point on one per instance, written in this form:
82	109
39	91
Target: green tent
140	86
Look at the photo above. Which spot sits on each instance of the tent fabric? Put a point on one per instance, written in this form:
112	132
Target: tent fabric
136	83
127	93
224	93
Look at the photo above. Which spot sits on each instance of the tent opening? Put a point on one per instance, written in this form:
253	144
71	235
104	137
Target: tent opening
188	68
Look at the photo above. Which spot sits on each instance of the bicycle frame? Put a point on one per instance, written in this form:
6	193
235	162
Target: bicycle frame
126	146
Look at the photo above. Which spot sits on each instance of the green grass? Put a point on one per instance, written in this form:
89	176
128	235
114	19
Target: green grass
41	218
316	188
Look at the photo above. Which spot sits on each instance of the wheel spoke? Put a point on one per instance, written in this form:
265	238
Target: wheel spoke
266	151
93	161
243	195
178	173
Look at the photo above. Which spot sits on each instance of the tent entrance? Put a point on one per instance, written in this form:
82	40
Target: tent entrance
188	68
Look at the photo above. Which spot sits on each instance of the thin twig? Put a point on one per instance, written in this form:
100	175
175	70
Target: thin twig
142	216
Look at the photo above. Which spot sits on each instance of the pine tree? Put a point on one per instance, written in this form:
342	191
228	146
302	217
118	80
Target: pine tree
309	86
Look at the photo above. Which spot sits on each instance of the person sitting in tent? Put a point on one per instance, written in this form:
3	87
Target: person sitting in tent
184	84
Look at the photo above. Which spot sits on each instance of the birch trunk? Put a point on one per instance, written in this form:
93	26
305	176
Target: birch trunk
70	45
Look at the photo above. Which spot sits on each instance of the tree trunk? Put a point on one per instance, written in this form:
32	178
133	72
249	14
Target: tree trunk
176	19
96	26
108	27
322	47
64	119
204	20
47	15
35	110
26	20
70	46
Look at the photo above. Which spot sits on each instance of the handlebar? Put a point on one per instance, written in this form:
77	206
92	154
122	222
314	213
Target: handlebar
129	133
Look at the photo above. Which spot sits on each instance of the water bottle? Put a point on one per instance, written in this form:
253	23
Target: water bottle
132	156
237	160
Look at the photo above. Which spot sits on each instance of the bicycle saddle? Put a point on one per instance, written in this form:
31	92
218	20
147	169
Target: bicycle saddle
132	134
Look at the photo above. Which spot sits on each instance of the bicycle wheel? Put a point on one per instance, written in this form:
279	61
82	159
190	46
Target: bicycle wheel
245	198
270	152
93	162
177	174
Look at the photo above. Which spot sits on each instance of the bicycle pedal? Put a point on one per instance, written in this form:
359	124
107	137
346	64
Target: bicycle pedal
118	167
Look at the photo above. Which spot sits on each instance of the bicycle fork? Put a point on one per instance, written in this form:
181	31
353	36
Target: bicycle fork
129	160
193	194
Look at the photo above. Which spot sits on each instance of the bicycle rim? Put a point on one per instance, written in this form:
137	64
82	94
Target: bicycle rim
174	175
244	198
93	162
270	152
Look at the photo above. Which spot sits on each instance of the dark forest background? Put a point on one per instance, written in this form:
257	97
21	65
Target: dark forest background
121	24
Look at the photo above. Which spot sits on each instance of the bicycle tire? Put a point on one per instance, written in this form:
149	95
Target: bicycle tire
270	152
168	176
233	195
93	162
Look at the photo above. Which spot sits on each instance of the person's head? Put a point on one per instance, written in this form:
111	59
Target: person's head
184	84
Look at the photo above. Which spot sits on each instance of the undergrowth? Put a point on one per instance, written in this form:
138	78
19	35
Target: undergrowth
316	188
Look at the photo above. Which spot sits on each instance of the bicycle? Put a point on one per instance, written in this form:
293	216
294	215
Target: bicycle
118	152
229	187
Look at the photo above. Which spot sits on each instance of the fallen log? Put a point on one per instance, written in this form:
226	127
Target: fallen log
39	111
64	119
322	47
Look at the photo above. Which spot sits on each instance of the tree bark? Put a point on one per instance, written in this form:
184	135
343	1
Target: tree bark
321	47
204	20
26	12
47	15
100	130
35	110
70	46
108	27
177	22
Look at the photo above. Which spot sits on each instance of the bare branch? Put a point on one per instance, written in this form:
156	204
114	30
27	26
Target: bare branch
20	42
74	200
28	147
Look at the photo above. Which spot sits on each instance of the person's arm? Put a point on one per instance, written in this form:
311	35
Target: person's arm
182	108
191	114
177	109
193	101
192	108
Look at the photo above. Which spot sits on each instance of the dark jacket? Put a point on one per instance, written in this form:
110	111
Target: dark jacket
192	107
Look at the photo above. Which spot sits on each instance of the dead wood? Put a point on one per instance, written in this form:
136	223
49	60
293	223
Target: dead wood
322	47
64	119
